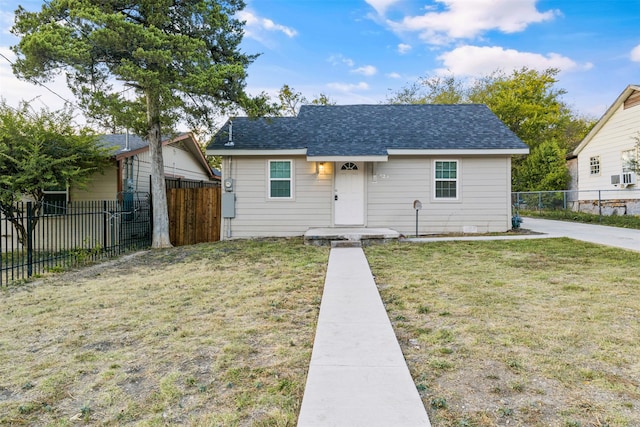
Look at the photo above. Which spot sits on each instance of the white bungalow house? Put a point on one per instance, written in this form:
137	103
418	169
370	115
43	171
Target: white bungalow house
605	176
367	166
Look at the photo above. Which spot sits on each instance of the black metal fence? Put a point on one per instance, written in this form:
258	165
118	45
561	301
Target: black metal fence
35	240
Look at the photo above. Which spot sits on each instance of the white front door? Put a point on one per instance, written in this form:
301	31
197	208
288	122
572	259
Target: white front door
348	205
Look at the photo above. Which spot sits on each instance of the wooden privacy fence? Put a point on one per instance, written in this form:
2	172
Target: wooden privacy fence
194	215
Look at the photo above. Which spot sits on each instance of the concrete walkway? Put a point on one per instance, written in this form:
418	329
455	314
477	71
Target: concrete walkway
610	236
358	375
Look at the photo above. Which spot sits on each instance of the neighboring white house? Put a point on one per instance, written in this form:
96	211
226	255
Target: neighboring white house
365	166
125	180
606	177
131	167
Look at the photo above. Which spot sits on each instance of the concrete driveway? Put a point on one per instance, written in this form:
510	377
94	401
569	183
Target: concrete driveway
601	234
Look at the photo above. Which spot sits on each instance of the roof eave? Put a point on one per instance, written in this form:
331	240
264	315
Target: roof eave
354	158
606	116
460	152
257	152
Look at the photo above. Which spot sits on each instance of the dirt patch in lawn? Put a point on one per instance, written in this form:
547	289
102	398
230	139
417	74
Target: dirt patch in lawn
517	333
212	334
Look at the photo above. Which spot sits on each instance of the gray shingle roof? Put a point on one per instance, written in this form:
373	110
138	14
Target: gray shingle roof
119	141
366	130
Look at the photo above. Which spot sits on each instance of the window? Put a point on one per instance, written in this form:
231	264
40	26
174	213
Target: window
446	179
349	167
594	165
629	161
55	201
280	179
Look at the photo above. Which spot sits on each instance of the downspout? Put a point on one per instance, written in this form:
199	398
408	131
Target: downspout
230	175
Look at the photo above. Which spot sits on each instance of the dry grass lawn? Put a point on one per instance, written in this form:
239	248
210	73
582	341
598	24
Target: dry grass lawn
208	335
505	333
517	333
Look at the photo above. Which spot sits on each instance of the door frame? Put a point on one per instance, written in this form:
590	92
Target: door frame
362	168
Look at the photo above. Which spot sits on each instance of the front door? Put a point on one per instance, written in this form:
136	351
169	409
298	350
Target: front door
349	194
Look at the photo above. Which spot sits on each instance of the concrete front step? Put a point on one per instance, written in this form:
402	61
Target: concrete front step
325	236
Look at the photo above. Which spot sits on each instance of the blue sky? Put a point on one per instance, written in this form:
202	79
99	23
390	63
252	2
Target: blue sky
361	51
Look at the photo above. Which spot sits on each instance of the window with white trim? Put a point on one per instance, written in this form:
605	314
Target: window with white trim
280	179
55	201
594	165
629	161
446	179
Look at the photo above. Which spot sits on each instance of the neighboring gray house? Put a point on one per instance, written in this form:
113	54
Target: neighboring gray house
364	166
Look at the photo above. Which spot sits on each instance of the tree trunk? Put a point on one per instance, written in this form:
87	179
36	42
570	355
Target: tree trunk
160	233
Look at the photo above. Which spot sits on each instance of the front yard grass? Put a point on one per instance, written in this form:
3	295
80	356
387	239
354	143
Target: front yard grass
506	333
207	335
520	333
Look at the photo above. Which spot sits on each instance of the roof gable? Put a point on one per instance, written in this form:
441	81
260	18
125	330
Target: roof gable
371	130
628	97
127	145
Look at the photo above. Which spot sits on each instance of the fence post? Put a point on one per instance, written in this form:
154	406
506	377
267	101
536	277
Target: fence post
539	200
29	239
105	218
599	206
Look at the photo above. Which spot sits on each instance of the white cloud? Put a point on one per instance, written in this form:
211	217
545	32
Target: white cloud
15	90
256	26
465	19
394	75
6	21
381	6
348	87
476	61
367	70
268	24
339	59
404	48
635	54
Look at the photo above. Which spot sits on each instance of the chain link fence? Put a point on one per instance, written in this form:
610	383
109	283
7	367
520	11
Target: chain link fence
600	202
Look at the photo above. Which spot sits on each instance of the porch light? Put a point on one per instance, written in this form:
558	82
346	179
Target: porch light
319	168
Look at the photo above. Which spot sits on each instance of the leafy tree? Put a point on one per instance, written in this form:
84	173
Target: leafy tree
431	90
545	169
40	151
175	61
633	164
291	101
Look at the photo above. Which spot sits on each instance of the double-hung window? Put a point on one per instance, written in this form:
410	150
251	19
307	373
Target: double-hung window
280	179
446	179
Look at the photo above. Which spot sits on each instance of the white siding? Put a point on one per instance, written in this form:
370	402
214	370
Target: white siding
259	216
179	163
102	186
483	202
615	136
390	189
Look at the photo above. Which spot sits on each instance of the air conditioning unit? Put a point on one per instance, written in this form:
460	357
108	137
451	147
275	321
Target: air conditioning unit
615	179
628	178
